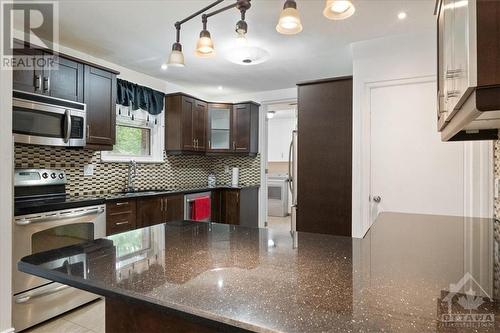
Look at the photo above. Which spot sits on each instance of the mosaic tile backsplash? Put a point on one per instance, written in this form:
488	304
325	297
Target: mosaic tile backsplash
176	171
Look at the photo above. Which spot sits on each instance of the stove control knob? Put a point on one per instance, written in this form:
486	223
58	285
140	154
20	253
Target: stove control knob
61	176
53	175
45	175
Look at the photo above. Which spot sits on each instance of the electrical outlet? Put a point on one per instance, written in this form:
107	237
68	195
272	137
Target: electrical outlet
497	188
226	169
88	170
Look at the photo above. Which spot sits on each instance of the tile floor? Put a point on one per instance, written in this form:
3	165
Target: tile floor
86	319
90	318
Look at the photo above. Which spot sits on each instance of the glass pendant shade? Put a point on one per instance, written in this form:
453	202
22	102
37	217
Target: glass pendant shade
338	9
205	45
176	58
289	21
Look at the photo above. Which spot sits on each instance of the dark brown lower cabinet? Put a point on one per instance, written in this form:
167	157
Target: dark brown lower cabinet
175	208
236	206
157	210
120	216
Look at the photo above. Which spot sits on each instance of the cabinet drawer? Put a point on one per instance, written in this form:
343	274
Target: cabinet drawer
120	216
121	206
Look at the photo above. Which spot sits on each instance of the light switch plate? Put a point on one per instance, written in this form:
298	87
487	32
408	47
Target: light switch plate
497	188
88	170
226	169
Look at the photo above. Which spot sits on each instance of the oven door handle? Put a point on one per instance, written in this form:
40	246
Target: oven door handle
61	216
26	299
67	126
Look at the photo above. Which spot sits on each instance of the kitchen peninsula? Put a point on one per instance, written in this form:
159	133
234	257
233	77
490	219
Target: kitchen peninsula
208	277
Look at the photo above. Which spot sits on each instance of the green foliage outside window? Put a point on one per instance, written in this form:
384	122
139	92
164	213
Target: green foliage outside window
132	141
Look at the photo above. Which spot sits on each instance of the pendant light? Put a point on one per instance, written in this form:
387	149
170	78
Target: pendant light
338	9
289	21
176	58
205	45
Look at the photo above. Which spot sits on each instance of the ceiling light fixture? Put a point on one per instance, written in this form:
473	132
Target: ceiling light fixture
176	58
402	15
220	88
164	67
338	9
289	22
205	46
271	114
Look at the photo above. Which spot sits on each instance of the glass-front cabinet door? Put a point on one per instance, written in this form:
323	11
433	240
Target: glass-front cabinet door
219	127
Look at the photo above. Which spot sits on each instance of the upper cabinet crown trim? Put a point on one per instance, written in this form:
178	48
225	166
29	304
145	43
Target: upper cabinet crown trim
85	62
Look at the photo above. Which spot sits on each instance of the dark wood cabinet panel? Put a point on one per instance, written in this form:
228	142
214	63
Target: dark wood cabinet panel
174	208
27	80
188	110
241	128
150	211
100	98
230	207
189	127
64	81
325	157
237	206
120	216
200	125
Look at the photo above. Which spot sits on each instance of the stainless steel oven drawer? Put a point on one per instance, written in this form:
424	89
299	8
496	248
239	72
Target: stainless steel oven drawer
40	304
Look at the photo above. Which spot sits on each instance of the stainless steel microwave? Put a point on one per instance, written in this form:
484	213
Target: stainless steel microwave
49	121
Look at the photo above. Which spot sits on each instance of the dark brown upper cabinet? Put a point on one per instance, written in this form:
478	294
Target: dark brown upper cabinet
195	126
468	69
185	124
64	80
246	128
100	98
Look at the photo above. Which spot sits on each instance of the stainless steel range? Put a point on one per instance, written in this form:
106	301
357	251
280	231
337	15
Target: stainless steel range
34	299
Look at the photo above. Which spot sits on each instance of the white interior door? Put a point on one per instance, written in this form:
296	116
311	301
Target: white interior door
412	171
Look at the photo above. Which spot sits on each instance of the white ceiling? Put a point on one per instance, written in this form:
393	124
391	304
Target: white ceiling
139	35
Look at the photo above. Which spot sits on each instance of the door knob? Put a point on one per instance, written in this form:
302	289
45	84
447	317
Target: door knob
377	199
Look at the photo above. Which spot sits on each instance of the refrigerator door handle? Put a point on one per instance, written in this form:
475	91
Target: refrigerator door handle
290	176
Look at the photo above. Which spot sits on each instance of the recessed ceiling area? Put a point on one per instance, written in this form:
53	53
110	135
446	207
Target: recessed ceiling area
139	35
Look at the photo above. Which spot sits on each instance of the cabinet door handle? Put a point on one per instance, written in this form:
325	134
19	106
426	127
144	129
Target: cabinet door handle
234	145
122	203
209	144
161	205
38	82
121	223
87	135
46	83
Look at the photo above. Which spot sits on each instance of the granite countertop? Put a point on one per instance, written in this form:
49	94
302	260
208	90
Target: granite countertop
68	202
396	279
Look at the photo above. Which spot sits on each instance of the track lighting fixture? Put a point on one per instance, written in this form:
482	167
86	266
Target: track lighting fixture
205	45
338	9
289	22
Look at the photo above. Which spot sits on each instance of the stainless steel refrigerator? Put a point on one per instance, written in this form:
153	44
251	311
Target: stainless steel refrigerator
292	174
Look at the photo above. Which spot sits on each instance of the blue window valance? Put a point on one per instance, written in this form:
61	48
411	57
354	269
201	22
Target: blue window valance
139	97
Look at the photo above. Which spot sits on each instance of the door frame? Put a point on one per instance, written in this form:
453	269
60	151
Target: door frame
264	156
478	163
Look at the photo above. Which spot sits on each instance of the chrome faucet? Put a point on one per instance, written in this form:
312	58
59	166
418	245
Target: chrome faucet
132	173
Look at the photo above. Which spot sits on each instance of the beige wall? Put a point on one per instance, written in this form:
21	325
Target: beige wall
277	167
5	199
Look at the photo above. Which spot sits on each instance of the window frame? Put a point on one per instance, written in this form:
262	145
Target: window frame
156	143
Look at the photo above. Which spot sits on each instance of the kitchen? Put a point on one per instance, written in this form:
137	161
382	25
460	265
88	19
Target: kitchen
146	183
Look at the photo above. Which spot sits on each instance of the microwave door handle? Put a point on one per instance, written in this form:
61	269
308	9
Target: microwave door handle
67	126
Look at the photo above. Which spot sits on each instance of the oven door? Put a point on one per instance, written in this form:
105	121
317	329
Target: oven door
48	124
46	231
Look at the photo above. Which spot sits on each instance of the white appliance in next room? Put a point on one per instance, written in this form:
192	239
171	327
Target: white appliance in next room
277	195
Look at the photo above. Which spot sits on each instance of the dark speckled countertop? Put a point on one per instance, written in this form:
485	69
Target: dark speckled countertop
396	279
